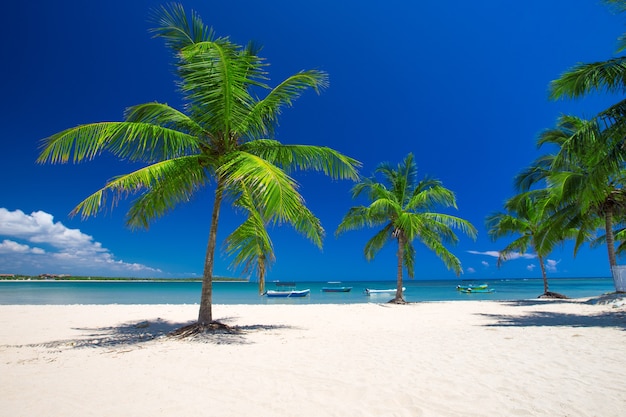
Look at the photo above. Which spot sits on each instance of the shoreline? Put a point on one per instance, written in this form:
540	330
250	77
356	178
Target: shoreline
527	357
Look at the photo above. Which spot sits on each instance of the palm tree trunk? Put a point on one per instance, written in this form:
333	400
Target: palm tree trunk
261	275
543	274
610	246
205	316
610	238
399	296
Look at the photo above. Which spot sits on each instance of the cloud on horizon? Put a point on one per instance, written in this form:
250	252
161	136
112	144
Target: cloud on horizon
511	256
33	244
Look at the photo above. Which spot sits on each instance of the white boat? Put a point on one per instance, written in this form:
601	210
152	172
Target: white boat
370	291
288	293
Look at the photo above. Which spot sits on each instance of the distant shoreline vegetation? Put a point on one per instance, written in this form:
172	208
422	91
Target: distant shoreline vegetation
50	277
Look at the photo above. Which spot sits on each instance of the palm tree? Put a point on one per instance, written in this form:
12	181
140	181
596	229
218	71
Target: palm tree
403	207
588	186
250	244
529	216
222	138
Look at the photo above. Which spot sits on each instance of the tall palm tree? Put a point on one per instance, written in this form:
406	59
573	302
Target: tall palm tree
528	215
403	207
222	138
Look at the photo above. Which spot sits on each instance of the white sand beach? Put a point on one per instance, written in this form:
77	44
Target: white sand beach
468	358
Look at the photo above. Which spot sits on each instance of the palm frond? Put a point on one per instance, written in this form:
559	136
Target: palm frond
408	259
179	31
263	116
216	80
305	157
607	76
272	189
432	240
161	185
164	116
377	242
356	218
250	245
431	196
134	141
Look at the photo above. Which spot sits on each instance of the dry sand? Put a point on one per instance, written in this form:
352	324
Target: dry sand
525	358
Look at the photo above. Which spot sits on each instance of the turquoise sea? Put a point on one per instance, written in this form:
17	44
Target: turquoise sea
173	292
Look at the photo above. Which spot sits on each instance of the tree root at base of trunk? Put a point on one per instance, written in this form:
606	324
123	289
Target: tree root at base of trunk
199	329
551	294
398	301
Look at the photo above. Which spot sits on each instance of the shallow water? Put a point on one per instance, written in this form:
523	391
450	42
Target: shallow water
173	292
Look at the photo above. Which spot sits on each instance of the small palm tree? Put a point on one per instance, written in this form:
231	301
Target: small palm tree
222	138
403	206
250	244
529	216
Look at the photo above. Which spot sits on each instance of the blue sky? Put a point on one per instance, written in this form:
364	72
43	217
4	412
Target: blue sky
462	85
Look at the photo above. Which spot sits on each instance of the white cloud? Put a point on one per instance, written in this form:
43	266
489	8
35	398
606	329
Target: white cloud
470	270
531	267
509	257
12	247
551	265
485	264
67	251
493	253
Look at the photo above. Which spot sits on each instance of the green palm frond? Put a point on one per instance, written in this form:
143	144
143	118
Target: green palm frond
521	245
408	259
307	224
450	223
430	196
272	189
536	173
216	81
162	185
133	141
377	242
374	190
305	157
432	240
164	116
179	31
264	115
250	243
607	76
356	218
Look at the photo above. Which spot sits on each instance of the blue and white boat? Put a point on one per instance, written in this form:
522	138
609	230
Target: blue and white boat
288	293
287	289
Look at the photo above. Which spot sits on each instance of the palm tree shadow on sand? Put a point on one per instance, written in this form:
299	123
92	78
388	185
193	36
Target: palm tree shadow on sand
134	334
610	319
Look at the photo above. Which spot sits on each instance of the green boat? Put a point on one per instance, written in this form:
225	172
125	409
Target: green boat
484	288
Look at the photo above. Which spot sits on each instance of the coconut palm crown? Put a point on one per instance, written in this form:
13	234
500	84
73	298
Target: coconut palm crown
528	217
403	206
222	138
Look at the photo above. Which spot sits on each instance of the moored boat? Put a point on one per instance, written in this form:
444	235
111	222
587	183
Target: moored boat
484	288
335	287
371	291
287	293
